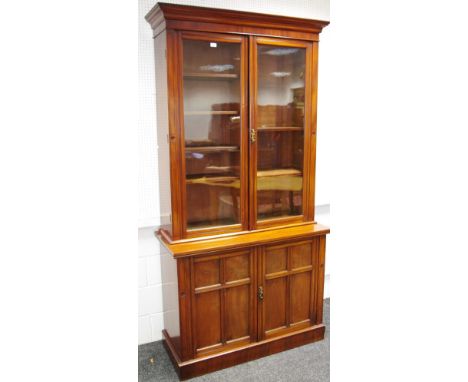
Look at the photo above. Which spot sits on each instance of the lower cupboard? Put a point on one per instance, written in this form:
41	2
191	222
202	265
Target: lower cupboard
240	304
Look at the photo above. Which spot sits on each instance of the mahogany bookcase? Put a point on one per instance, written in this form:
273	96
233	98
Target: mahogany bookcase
237	122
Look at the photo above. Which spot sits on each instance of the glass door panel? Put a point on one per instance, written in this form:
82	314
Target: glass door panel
212	131
279	117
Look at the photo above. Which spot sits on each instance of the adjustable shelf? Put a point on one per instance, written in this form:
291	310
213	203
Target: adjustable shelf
211	149
279	172
211	112
211	179
260	174
281	128
211	76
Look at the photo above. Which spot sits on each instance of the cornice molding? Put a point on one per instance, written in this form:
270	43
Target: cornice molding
164	11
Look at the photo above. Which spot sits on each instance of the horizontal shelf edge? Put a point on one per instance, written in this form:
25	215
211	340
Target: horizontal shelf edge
212	112
211	76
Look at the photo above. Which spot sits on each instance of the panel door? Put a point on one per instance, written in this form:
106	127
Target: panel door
289	287
281	130
223	301
213	103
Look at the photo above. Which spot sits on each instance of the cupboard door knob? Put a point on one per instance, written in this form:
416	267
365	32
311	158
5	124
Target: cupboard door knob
260	292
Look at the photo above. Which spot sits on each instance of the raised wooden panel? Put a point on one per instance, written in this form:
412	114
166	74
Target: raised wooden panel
275	303
237	301
206	273
289	274
301	256
276	260
237	267
208	319
300	295
223	291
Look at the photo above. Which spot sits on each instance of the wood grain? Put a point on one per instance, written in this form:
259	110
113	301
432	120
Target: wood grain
248	352
289	279
165	11
248	239
222	291
222	317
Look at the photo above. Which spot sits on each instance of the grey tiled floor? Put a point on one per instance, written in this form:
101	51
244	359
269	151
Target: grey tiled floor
307	363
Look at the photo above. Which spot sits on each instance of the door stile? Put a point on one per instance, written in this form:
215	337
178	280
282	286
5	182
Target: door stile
186	301
253	80
175	130
261	283
254	298
309	134
320	279
222	297
183	185
314	281
288	288
245	170
311	118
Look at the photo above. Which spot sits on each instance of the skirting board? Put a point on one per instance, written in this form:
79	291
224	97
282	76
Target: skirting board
214	362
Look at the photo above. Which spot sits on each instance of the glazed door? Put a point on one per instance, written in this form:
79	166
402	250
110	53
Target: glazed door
223	301
281	156
214	133
290	295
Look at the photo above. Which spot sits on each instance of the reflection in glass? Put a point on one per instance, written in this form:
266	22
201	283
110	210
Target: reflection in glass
212	132
280	127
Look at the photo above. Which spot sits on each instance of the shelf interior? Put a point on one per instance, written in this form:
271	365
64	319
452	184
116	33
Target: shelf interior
260	174
211	149
212	112
281	128
211	76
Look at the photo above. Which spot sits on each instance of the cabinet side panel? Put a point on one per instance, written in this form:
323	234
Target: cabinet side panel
163	128
320	279
170	296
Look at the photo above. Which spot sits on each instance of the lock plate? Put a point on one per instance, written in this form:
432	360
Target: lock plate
260	293
253	135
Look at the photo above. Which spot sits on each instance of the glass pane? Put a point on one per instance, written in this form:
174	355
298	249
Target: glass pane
280	131
212	132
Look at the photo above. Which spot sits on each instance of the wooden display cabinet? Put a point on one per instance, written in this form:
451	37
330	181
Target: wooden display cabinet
236	114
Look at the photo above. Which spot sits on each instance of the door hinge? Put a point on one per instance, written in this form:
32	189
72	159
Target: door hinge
260	293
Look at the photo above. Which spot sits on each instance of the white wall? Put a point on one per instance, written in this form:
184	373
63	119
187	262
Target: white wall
149	259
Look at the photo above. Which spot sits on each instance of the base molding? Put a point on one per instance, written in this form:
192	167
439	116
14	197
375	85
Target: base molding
252	351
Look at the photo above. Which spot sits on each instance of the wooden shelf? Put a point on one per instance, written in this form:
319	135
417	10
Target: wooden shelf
212	149
212	112
211	179
279	172
260	174
211	76
281	128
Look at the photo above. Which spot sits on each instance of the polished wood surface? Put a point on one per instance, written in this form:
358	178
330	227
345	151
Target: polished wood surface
244	259
242	240
202	15
223	294
248	352
288	276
